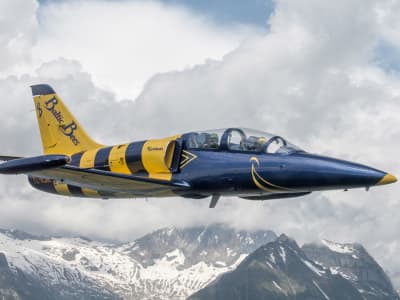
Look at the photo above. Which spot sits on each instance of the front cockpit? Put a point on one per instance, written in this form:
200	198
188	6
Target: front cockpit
239	140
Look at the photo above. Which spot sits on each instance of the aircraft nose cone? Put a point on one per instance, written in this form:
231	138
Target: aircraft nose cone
361	175
387	179
329	173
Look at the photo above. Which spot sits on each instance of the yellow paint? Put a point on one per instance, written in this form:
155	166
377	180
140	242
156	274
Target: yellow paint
62	188
260	182
61	133
87	159
186	158
117	160
169	154
257	183
387	179
269	183
157	157
90	193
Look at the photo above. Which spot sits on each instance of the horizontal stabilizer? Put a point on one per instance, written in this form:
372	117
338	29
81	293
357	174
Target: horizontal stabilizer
32	164
7	157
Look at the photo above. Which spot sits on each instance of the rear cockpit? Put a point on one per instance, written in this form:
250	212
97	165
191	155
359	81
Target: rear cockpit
239	140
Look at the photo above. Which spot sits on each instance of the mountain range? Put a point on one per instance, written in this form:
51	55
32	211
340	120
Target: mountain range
283	270
204	262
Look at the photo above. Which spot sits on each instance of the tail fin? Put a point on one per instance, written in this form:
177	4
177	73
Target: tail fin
61	133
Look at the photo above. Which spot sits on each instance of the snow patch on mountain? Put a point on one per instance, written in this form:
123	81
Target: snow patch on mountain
336	247
163	265
321	290
313	268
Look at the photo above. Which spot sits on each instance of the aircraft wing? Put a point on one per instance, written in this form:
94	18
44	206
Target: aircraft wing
109	181
7	158
55	167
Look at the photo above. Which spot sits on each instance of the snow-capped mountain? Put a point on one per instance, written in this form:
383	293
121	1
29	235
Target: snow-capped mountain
166	264
213	262
353	263
282	270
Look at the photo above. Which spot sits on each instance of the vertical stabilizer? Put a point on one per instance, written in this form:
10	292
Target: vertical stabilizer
61	133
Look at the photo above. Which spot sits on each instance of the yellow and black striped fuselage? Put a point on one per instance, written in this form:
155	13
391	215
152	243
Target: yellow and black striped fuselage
155	159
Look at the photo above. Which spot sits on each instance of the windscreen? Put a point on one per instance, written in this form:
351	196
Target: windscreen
240	139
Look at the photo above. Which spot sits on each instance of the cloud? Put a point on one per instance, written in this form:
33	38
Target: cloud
123	43
312	78
18	29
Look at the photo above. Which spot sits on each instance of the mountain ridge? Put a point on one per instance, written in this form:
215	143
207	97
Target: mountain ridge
165	264
175	263
282	270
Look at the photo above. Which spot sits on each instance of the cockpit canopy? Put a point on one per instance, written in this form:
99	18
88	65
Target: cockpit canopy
239	140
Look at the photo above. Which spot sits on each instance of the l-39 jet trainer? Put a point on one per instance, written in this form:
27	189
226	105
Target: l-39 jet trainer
247	163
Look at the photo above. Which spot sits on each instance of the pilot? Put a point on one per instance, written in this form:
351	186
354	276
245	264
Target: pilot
212	141
253	143
193	140
207	140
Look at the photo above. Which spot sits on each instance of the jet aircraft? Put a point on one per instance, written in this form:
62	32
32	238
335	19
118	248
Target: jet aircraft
247	163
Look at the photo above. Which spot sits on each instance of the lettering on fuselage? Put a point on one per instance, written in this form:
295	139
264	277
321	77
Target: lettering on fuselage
67	130
39	109
155	148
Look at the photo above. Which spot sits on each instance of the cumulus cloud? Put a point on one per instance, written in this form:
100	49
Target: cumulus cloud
123	43
18	28
105	115
312	78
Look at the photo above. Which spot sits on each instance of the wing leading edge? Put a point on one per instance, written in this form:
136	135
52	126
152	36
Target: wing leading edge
55	168
108	181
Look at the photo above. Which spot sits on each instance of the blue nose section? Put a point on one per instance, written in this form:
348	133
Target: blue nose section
320	173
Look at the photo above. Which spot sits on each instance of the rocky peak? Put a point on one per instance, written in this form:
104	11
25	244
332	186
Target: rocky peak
210	244
279	270
22	235
283	239
3	261
284	253
353	263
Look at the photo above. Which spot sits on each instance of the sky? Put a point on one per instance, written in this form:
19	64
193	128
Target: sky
323	74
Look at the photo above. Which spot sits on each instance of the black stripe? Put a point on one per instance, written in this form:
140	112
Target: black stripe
75	190
101	159
76	159
133	158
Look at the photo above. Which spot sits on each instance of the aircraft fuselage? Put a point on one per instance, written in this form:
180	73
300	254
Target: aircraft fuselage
240	162
255	176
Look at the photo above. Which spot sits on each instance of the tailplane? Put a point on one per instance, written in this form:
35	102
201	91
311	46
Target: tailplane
61	133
